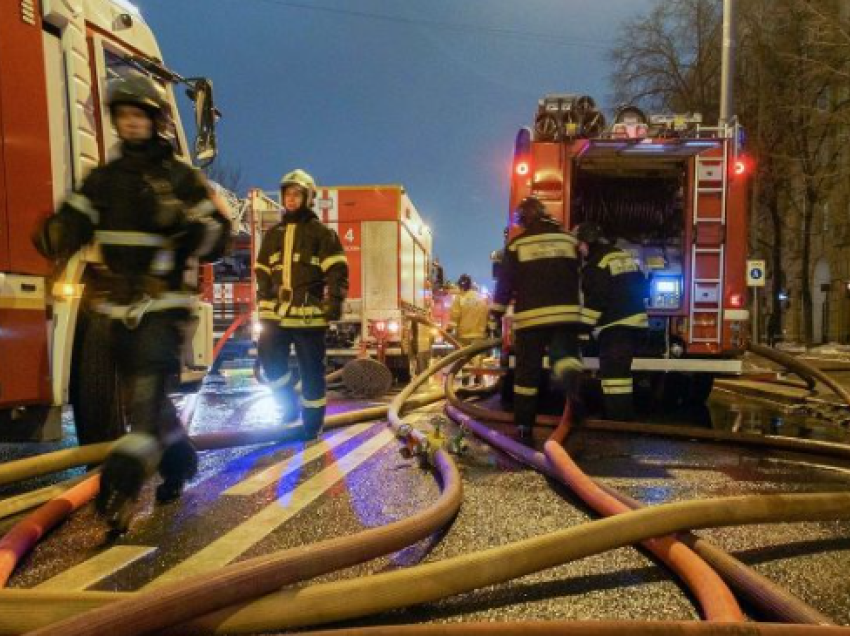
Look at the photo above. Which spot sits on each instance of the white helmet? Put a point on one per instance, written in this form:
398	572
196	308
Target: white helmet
302	180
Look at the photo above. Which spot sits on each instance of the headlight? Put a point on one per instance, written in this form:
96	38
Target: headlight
66	291
393	326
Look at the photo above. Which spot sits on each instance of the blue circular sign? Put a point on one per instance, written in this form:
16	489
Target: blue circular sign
756	273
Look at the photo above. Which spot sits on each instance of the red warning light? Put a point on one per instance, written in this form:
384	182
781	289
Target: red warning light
522	168
736	300
740	167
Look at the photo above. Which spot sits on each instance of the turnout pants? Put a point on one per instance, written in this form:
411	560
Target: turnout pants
561	342
147	358
617	347
274	348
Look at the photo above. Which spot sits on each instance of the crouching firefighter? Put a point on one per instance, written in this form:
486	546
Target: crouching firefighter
539	273
152	215
302	281
615	292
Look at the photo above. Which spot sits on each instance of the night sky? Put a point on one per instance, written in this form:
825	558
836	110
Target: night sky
425	93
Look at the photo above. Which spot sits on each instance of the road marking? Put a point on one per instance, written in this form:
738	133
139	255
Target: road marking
276	472
95	569
228	547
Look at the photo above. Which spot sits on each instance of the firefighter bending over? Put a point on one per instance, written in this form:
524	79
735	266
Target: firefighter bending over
151	214
302	281
540	273
615	292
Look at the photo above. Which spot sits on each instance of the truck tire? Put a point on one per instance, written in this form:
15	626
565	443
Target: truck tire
701	386
95	391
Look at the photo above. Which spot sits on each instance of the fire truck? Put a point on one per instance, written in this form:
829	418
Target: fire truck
56	60
388	248
674	193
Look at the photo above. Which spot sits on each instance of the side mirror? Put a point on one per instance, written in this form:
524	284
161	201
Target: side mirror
206	148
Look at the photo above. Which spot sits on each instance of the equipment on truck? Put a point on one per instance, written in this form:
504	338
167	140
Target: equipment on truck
65	57
665	189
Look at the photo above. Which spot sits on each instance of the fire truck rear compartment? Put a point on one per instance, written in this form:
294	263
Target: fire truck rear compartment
641	206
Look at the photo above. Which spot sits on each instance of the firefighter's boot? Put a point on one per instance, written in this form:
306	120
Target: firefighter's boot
179	464
313	417
124	473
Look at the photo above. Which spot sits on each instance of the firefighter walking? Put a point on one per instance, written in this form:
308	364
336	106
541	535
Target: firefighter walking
151	214
615	292
540	274
302	281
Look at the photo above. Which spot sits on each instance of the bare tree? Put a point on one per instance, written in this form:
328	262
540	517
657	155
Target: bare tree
669	59
815	108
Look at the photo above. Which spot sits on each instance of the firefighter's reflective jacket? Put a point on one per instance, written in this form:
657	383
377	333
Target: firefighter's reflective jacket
150	213
540	273
615	290
468	315
298	258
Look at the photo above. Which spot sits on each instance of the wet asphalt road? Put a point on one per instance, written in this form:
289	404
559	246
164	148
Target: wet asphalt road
217	519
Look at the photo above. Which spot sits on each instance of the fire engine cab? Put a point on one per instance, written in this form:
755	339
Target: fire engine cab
674	194
56	60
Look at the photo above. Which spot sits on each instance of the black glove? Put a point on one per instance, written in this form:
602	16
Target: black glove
332	309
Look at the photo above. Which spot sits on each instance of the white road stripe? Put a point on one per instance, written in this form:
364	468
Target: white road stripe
228	547
275	473
95	569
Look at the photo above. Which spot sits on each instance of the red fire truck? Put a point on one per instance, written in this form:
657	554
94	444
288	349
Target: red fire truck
56	60
674	192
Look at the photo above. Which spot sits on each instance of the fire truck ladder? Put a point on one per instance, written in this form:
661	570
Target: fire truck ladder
708	256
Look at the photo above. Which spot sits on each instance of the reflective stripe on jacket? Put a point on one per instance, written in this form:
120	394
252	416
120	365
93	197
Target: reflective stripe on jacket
540	274
614	288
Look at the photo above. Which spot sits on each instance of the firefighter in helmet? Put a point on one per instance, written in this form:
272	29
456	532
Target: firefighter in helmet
539	273
152	215
468	315
615	292
302	281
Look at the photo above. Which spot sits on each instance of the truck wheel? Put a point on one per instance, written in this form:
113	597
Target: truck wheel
701	386
95	391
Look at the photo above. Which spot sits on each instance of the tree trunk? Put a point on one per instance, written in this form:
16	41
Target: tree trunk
774	326
805	279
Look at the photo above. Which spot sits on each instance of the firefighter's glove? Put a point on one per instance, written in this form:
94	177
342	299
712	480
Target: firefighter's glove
494	324
58	239
332	309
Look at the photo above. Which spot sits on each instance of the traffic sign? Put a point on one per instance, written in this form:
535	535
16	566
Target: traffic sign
755	273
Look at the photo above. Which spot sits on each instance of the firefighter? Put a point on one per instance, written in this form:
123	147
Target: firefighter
615	292
302	281
468	316
152	215
540	274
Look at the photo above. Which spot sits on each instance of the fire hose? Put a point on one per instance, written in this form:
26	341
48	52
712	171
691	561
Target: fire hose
760	591
806	371
744	509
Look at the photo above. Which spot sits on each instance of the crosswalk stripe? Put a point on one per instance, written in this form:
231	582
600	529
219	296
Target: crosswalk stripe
228	547
95	569
276	472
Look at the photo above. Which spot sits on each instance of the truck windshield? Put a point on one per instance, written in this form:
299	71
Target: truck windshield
117	67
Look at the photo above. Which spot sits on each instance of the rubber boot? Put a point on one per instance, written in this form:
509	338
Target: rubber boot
120	484
179	464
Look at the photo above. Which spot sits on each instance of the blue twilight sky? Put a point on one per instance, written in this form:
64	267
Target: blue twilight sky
425	93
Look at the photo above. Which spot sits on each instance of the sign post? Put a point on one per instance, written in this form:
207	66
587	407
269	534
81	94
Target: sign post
756	280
